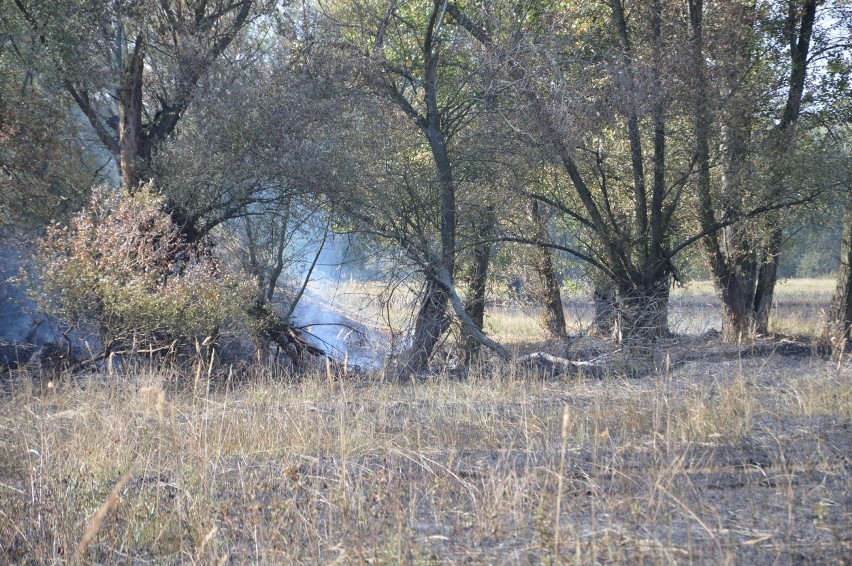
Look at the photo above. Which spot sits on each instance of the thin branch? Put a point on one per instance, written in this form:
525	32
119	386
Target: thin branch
304	286
82	100
576	253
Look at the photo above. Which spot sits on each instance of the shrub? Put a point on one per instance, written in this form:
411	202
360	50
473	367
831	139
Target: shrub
121	270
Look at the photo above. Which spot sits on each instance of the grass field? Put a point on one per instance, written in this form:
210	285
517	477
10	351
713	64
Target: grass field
733	457
800	307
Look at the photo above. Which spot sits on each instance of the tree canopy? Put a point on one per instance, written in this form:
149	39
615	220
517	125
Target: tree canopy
629	139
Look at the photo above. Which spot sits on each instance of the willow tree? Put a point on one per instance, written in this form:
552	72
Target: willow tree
757	148
610	90
597	94
132	68
424	84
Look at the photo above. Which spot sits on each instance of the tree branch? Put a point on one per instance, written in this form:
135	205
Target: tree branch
83	102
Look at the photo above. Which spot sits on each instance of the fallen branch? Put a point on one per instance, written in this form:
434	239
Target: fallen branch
278	330
443	279
564	365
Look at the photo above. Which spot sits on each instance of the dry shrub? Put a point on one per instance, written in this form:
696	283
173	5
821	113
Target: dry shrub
122	270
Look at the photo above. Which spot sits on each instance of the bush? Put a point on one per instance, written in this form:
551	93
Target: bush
122	270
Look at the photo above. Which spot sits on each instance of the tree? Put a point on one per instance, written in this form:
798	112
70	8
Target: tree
549	293
137	71
760	148
255	164
614	119
132	68
43	175
412	60
625	227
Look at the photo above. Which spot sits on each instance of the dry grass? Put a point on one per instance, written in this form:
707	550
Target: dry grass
800	307
818	286
741	461
716	460
515	326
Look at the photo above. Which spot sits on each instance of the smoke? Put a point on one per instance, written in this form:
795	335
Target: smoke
322	310
19	321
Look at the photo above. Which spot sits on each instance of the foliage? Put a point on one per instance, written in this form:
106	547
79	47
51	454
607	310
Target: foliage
122	269
638	131
43	176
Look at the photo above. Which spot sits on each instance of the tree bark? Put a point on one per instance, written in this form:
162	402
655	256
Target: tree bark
475	303
767	276
737	279
643	313
837	331
130	117
549	288
737	320
640	199
554	314
430	325
606	315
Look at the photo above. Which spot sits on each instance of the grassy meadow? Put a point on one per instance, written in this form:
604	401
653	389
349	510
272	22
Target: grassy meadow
737	457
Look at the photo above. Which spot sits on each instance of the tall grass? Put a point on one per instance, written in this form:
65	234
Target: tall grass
740	462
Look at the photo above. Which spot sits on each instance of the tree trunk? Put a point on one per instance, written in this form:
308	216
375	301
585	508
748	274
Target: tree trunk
554	314
837	331
660	313
475	303
642	318
432	319
605	320
643	313
736	282
130	118
746	286
767	276
431	323
746	276
737	322
549	288
442	278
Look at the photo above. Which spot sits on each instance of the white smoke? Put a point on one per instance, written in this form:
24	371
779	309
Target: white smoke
19	318
322	310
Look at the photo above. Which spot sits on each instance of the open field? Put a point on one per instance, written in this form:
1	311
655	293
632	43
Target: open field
800	307
720	454
743	460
